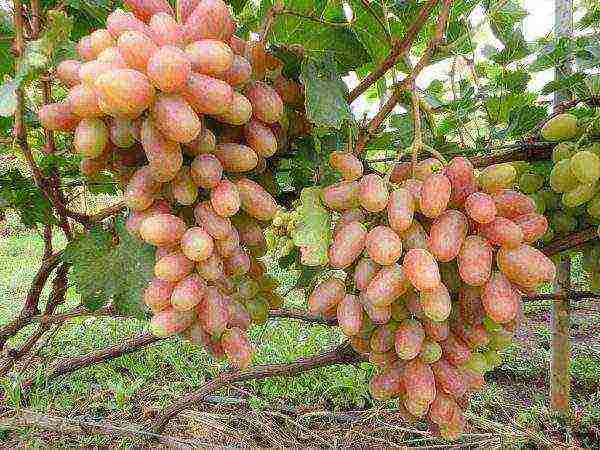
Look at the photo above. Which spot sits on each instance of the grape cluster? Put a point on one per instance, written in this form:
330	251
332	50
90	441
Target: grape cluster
569	193
186	114
435	264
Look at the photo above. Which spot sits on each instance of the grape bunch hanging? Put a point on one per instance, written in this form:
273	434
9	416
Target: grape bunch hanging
186	114
434	267
569	193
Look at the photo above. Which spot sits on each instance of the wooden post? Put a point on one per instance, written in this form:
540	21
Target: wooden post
560	380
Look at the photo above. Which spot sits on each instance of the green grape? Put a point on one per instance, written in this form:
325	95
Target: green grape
561	128
564	150
540	203
582	194
271	238
594	147
547	236
521	167
477	363
585	166
492	358
530	182
551	198
561	177
563	223
593	207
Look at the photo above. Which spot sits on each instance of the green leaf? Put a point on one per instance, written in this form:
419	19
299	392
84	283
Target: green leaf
313	228
590	19
588	53
286	261
318	38
515	48
307	275
573	83
97	10
292	64
523	120
552	55
237	5
503	21
369	30
511	80
500	107
458	31
403	126
325	93
22	195
103	271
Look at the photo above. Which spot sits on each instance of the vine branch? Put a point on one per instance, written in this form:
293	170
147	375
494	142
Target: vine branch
394	99
570	241
57	296
398	51
30	308
342	354
68	365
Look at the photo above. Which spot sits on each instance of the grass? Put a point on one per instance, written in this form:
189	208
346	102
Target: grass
130	386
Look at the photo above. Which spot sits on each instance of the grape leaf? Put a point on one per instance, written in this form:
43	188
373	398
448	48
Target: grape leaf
573	83
97	10
523	120
515	81
237	5
325	93
314	37
553	54
515	48
369	30
22	195
313	228
103	271
500	107
503	21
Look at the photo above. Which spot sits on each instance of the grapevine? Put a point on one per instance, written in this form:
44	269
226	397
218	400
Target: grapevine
423	265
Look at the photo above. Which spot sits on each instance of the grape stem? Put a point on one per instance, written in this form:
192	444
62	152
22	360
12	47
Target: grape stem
417	143
534	151
68	365
399	89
